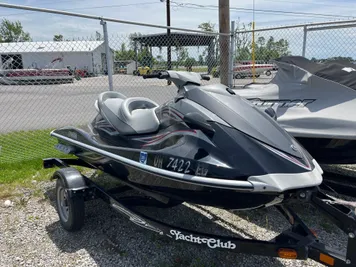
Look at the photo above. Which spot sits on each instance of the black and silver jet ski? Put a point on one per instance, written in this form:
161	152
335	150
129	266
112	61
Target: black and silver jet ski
314	102
207	146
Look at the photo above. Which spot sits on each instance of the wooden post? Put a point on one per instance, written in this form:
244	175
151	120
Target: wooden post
253	53
169	53
224	27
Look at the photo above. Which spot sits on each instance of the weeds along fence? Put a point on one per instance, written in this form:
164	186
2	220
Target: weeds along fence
54	83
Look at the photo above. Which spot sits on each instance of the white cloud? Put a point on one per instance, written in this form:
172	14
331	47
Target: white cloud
43	26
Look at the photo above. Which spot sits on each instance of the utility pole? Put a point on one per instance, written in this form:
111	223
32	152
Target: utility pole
224	27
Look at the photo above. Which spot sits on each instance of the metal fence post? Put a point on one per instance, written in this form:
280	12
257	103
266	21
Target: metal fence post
108	54
231	55
304	40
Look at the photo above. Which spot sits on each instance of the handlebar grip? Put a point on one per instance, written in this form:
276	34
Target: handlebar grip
205	77
148	76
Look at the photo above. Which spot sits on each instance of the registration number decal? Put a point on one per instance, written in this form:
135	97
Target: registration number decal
179	165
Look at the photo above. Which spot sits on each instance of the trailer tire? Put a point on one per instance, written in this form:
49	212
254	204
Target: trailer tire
71	209
268	73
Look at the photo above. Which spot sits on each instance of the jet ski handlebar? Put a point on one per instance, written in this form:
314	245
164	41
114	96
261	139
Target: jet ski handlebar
159	75
165	75
205	77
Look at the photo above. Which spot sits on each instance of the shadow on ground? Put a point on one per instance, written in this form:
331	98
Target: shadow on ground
110	239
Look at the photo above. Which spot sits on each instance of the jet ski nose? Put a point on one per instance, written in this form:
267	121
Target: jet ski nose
317	166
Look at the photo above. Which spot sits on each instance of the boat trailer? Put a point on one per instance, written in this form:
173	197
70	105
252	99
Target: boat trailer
298	242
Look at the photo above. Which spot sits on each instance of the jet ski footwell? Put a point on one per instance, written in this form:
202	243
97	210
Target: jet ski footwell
298	242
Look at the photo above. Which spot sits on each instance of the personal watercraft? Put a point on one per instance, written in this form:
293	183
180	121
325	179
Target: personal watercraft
314	102
207	146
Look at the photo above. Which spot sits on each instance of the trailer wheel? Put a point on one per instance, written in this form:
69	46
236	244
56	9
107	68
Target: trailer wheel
268	73
70	209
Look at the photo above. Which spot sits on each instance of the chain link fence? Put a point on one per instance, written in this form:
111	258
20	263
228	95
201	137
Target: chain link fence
317	43
50	84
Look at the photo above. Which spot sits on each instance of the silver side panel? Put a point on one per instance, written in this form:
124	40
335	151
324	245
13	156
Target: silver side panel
326	112
279	182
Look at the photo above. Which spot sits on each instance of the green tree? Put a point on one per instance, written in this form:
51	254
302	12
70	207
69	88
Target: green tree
242	41
13	32
58	38
265	50
144	56
339	58
271	49
132	42
212	60
159	58
207	26
124	54
189	63
182	54
201	60
98	36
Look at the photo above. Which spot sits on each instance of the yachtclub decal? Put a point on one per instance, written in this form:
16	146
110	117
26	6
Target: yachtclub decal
210	242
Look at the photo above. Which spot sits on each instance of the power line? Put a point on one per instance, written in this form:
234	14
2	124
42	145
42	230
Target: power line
250	10
86	8
57	2
294	13
49	3
305	2
205	7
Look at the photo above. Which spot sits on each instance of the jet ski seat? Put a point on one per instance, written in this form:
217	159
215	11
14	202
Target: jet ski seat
128	115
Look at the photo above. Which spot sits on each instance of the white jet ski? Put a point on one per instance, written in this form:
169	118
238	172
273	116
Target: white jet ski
314	102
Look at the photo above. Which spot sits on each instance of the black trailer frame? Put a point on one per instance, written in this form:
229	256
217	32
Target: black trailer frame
298	242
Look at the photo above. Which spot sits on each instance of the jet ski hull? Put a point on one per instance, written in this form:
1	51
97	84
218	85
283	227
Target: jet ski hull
206	146
240	198
187	192
313	107
150	172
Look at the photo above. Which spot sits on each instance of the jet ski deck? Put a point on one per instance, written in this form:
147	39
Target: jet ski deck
298	242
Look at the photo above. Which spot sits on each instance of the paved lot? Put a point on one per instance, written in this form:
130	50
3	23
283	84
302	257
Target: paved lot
29	107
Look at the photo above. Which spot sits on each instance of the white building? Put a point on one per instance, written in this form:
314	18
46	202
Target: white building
128	65
80	55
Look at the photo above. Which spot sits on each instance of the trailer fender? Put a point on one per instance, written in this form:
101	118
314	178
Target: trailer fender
72	178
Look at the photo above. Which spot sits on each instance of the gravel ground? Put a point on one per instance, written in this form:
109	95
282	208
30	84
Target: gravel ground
31	234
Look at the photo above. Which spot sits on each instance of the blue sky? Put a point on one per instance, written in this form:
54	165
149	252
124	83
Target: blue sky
44	26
